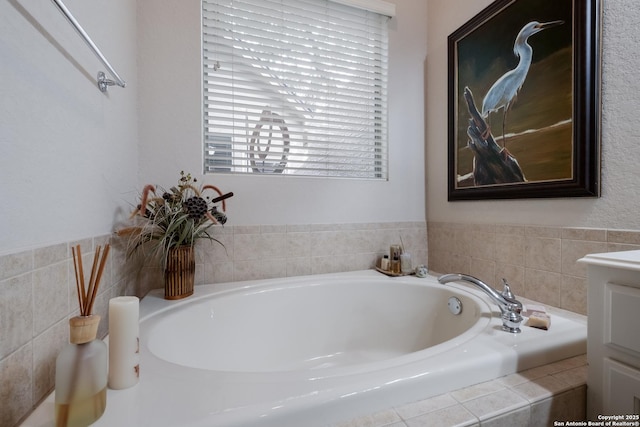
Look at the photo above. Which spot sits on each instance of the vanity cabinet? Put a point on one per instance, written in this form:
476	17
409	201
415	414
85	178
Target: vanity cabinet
613	343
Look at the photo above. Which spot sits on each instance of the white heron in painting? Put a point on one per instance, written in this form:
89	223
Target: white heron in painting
504	91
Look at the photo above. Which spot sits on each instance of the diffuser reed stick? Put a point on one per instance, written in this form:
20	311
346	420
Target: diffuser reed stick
87	295
92	299
77	275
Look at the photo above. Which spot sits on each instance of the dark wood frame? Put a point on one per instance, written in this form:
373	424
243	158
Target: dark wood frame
585	181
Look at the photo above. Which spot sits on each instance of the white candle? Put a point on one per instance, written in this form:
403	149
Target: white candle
124	342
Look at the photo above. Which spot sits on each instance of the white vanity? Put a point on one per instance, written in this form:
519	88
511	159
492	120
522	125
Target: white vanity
613	346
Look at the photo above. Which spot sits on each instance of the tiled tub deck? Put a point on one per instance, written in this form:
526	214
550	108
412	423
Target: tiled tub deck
533	398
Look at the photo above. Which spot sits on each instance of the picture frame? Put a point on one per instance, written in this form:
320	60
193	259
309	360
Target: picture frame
548	143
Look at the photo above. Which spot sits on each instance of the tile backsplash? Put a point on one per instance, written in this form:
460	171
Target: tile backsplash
539	262
38	296
37	287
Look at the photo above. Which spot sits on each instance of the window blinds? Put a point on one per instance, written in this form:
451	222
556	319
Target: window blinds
294	87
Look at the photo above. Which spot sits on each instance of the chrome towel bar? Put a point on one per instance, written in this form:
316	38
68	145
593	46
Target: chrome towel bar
103	81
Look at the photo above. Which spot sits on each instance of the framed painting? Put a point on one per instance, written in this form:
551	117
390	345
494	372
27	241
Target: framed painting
524	101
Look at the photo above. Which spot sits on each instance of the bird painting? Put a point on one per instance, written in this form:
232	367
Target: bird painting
504	91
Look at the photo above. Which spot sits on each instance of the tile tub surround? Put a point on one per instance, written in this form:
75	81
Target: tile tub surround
539	262
533	398
38	296
272	251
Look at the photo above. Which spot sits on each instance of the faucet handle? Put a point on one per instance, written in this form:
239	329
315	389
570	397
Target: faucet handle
514	304
506	292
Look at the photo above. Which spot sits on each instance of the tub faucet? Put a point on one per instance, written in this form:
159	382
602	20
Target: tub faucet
509	306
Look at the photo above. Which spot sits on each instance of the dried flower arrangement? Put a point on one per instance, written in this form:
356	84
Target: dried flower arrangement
178	217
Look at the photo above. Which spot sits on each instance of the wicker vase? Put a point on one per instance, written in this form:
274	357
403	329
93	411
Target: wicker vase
179	273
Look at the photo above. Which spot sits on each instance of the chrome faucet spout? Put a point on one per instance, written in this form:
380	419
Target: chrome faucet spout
509	306
497	297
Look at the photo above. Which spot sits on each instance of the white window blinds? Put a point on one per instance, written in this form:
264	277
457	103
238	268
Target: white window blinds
294	87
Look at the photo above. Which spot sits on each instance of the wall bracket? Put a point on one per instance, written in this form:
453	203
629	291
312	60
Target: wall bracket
103	82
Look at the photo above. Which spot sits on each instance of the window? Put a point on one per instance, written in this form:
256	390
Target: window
295	87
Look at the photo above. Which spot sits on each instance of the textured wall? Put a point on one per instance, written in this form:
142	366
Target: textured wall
69	152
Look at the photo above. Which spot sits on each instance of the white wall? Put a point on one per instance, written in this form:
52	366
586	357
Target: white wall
69	166
170	127
69	160
68	152
618	206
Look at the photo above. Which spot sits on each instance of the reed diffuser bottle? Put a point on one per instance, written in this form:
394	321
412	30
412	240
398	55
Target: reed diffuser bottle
81	375
81	367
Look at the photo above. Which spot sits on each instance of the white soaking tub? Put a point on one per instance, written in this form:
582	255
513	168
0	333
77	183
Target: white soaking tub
317	350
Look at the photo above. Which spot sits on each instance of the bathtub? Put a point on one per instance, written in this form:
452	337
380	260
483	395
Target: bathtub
318	350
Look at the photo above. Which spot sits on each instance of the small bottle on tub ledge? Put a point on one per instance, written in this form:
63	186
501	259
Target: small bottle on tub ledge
394	256
384	263
395	265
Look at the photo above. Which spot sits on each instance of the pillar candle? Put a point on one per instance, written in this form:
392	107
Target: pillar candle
124	342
